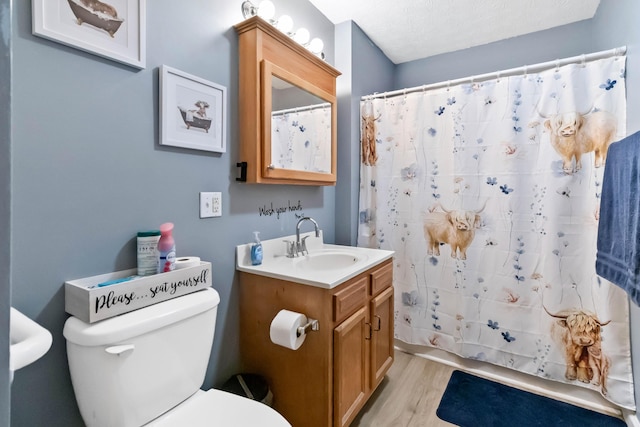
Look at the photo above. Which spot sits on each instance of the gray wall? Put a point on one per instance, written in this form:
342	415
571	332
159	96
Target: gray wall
88	173
5	206
532	48
365	70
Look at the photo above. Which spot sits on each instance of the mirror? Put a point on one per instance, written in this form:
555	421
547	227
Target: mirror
299	126
300	129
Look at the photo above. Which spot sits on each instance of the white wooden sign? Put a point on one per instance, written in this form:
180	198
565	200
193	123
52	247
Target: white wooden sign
88	301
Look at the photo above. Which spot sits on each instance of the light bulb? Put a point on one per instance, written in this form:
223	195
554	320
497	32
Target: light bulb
285	24
316	45
266	10
301	36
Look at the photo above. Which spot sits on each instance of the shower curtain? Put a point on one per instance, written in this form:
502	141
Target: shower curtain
489	195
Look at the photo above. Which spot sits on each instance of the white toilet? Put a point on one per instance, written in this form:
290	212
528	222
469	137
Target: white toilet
146	368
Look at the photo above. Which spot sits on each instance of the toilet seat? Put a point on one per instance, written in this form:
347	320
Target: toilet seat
220	408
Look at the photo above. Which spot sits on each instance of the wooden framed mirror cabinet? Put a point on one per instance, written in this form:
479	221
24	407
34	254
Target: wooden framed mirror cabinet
287	109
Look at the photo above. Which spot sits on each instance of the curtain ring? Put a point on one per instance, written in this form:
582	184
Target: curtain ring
498	77
557	65
583	60
449	84
525	71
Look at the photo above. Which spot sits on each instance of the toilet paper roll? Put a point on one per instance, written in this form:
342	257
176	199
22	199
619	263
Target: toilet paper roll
284	329
187	261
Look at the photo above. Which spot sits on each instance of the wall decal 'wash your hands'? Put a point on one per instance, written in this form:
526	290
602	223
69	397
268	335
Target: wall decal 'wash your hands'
269	211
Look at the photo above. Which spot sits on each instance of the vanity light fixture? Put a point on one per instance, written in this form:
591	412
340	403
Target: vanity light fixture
248	9
266	10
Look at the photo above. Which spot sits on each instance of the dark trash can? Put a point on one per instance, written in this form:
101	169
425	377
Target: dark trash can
252	386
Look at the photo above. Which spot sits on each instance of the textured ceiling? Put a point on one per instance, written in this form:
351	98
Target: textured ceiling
406	30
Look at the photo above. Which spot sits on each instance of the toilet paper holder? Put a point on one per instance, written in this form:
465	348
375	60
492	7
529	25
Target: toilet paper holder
312	325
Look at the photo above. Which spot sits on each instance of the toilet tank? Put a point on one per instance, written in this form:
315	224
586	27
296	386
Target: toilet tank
129	369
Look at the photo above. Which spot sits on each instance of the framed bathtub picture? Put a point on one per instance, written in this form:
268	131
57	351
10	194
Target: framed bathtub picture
192	111
113	29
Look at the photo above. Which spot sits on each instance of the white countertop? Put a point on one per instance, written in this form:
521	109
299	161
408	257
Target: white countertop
275	263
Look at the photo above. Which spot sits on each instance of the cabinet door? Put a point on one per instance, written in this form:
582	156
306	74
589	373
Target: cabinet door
350	367
382	336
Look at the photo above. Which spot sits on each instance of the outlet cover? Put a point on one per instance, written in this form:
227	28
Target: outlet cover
210	204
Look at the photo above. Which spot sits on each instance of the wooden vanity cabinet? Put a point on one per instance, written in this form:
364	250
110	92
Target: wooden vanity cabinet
332	375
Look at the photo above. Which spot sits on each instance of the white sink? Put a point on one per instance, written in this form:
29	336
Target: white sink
29	341
328	260
323	265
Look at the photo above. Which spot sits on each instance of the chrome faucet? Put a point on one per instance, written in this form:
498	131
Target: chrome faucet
300	245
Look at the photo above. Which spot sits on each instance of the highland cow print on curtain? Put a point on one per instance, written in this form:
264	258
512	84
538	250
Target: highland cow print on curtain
489	194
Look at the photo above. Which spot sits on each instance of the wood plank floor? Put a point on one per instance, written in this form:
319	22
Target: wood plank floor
408	396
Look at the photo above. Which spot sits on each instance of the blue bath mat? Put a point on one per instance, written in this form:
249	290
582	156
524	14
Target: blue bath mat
471	401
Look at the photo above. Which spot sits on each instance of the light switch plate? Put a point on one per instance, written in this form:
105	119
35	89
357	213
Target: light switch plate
210	204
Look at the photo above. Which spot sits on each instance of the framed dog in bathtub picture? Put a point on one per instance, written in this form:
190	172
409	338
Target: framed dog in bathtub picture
113	29
192	111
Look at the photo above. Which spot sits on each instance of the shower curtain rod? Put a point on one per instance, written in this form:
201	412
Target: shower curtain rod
298	109
618	51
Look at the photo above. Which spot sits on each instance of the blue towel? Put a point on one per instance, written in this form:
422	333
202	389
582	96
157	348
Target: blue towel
618	256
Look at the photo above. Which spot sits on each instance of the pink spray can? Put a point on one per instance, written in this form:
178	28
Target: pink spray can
166	249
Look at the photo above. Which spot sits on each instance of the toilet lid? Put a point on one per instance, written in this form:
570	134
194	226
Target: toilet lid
219	408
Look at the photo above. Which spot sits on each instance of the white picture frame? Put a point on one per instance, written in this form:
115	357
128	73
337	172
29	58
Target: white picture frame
113	29
192	111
